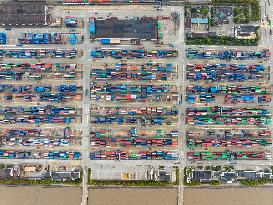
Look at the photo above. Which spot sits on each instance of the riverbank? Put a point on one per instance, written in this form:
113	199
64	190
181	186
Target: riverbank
34	195
132	196
228	196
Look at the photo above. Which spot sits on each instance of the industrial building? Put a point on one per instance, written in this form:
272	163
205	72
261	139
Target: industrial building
140	28
23	13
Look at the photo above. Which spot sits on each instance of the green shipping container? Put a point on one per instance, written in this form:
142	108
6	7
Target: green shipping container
161	35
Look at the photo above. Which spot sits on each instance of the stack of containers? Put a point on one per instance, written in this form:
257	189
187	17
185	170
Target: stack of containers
70	21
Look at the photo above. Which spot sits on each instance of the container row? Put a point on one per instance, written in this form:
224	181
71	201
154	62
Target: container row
228	155
28	67
149	66
40	53
225	68
29	88
48	38
230	77
40	133
140	155
135	89
133	142
228	89
29	142
141	120
229	134
14	119
259	121
195	143
227	111
140	75
228	99
40	110
133	132
122	53
228	54
135	98
110	111
60	155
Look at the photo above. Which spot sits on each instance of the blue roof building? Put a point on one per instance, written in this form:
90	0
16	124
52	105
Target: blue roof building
200	20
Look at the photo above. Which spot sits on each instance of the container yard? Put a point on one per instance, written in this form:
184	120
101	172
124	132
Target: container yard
109	88
41	87
54	91
232	100
64	81
140	72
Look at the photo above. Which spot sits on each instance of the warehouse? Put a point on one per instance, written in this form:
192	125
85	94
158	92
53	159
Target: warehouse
23	13
140	28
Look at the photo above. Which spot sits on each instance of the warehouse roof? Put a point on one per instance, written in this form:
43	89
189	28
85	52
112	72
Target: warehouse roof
228	176
247	174
141	28
163	176
23	13
61	176
247	29
203	176
5	173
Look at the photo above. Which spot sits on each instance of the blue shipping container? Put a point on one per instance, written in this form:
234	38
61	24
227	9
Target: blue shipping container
92	28
3	38
105	41
73	38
